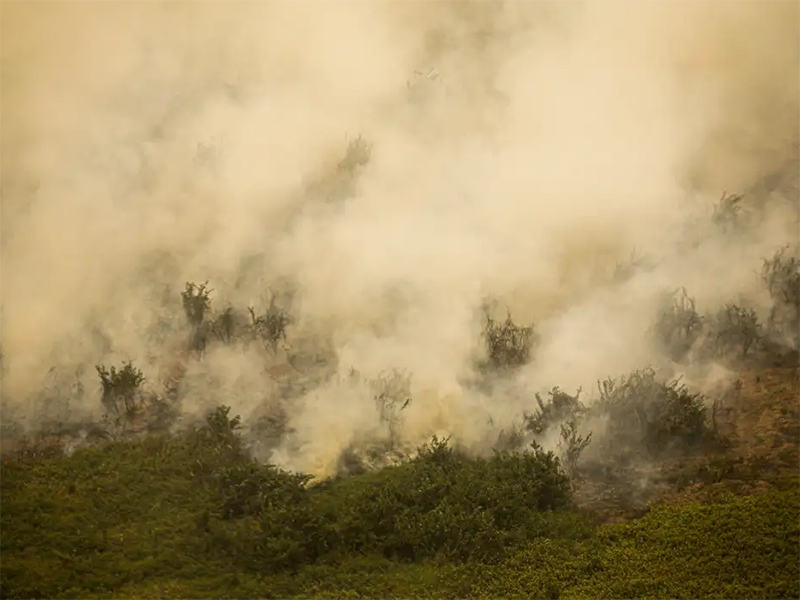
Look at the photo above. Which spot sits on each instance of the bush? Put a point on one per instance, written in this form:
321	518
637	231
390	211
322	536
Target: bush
442	504
220	428
728	214
733	332
678	325
250	489
781	276
269	327
121	387
508	345
224	326
558	408
646	414
196	305
196	302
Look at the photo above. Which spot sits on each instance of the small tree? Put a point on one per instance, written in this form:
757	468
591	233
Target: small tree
120	386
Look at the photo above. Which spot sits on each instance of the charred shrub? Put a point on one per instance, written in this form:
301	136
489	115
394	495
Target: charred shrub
392	397
196	305
644	413
563	411
572	444
729	215
196	302
269	327
121	388
558	408
678	325
508	345
224	326
733	332
781	276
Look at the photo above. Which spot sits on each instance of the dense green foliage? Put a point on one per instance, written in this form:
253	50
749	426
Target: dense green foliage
193	516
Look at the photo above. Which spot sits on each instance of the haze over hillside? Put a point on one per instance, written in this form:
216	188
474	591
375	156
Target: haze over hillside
512	152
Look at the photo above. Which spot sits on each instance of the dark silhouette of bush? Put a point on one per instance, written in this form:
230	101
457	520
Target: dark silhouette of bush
224	326
728	214
269	327
678	325
196	302
558	408
196	305
508	345
732	333
781	276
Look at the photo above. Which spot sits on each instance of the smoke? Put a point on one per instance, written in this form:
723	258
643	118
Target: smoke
509	150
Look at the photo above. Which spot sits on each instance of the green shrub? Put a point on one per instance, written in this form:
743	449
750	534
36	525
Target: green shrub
121	386
250	489
443	504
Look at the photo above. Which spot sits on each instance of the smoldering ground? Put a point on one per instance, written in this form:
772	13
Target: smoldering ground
517	151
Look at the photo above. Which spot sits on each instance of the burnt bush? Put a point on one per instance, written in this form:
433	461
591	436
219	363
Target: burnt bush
678	325
196	302
729	214
270	326
508	345
558	408
196	306
646	414
733	332
781	276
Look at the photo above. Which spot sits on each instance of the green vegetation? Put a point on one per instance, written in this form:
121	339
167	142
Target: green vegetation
192	516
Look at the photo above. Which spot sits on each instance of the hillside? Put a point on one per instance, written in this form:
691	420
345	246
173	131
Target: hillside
463	299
